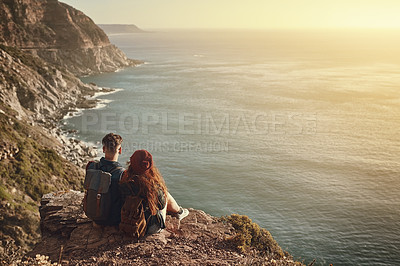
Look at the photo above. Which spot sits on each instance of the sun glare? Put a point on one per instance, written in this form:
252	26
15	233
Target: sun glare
260	14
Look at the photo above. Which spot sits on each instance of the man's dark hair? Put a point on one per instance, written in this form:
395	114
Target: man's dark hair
111	141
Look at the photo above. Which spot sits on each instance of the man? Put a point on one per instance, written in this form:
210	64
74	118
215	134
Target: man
109	163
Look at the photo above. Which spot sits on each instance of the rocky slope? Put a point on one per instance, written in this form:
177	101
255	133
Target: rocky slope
200	239
34	94
59	34
36	89
29	167
43	45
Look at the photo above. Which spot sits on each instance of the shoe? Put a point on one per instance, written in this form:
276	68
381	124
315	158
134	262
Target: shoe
182	213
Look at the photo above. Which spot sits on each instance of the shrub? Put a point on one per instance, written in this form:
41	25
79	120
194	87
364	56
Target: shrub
249	234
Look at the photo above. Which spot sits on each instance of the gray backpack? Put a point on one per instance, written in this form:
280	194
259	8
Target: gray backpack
97	200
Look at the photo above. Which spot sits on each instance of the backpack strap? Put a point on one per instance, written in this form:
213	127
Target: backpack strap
94	165
115	169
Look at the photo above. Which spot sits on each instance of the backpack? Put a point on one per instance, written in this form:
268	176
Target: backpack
133	219
97	199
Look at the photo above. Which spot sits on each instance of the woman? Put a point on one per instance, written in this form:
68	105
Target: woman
148	184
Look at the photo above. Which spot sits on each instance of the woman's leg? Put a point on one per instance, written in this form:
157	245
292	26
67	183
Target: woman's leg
174	209
172	206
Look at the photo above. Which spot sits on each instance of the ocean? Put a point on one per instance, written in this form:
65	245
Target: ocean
299	130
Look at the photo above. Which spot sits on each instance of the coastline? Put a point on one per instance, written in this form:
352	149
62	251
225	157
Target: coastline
75	150
91	102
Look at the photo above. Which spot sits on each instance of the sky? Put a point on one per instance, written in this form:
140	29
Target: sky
240	14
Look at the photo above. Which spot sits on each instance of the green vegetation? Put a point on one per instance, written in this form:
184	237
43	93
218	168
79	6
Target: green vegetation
34	170
4	194
34	165
250	235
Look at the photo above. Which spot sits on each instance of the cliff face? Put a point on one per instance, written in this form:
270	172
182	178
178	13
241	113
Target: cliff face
47	24
59	34
62	42
35	89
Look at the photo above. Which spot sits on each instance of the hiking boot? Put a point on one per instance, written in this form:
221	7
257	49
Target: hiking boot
182	213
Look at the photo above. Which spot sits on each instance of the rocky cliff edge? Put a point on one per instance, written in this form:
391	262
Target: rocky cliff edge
70	238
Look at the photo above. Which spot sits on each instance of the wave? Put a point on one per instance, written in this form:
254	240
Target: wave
101	103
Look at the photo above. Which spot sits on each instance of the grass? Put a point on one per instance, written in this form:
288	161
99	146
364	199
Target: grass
4	195
34	165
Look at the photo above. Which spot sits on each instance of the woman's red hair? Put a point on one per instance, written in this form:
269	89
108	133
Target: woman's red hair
148	182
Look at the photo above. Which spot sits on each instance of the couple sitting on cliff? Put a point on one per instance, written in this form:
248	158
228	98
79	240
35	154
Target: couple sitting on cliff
135	199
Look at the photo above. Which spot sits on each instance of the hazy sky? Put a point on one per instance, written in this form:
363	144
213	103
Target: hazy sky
149	14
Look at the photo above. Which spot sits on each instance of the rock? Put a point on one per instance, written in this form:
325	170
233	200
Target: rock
8	150
76	147
61	212
198	239
63	139
92	153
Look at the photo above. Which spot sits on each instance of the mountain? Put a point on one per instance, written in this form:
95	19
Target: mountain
120	28
59	34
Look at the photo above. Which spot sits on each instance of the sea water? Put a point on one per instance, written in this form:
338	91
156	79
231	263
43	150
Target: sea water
298	130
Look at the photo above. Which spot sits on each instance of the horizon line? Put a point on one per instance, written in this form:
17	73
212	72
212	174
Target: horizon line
252	28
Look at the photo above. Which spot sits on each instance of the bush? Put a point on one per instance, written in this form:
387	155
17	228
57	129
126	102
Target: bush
250	235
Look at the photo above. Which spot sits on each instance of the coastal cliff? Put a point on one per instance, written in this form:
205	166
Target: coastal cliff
44	44
59	34
70	238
